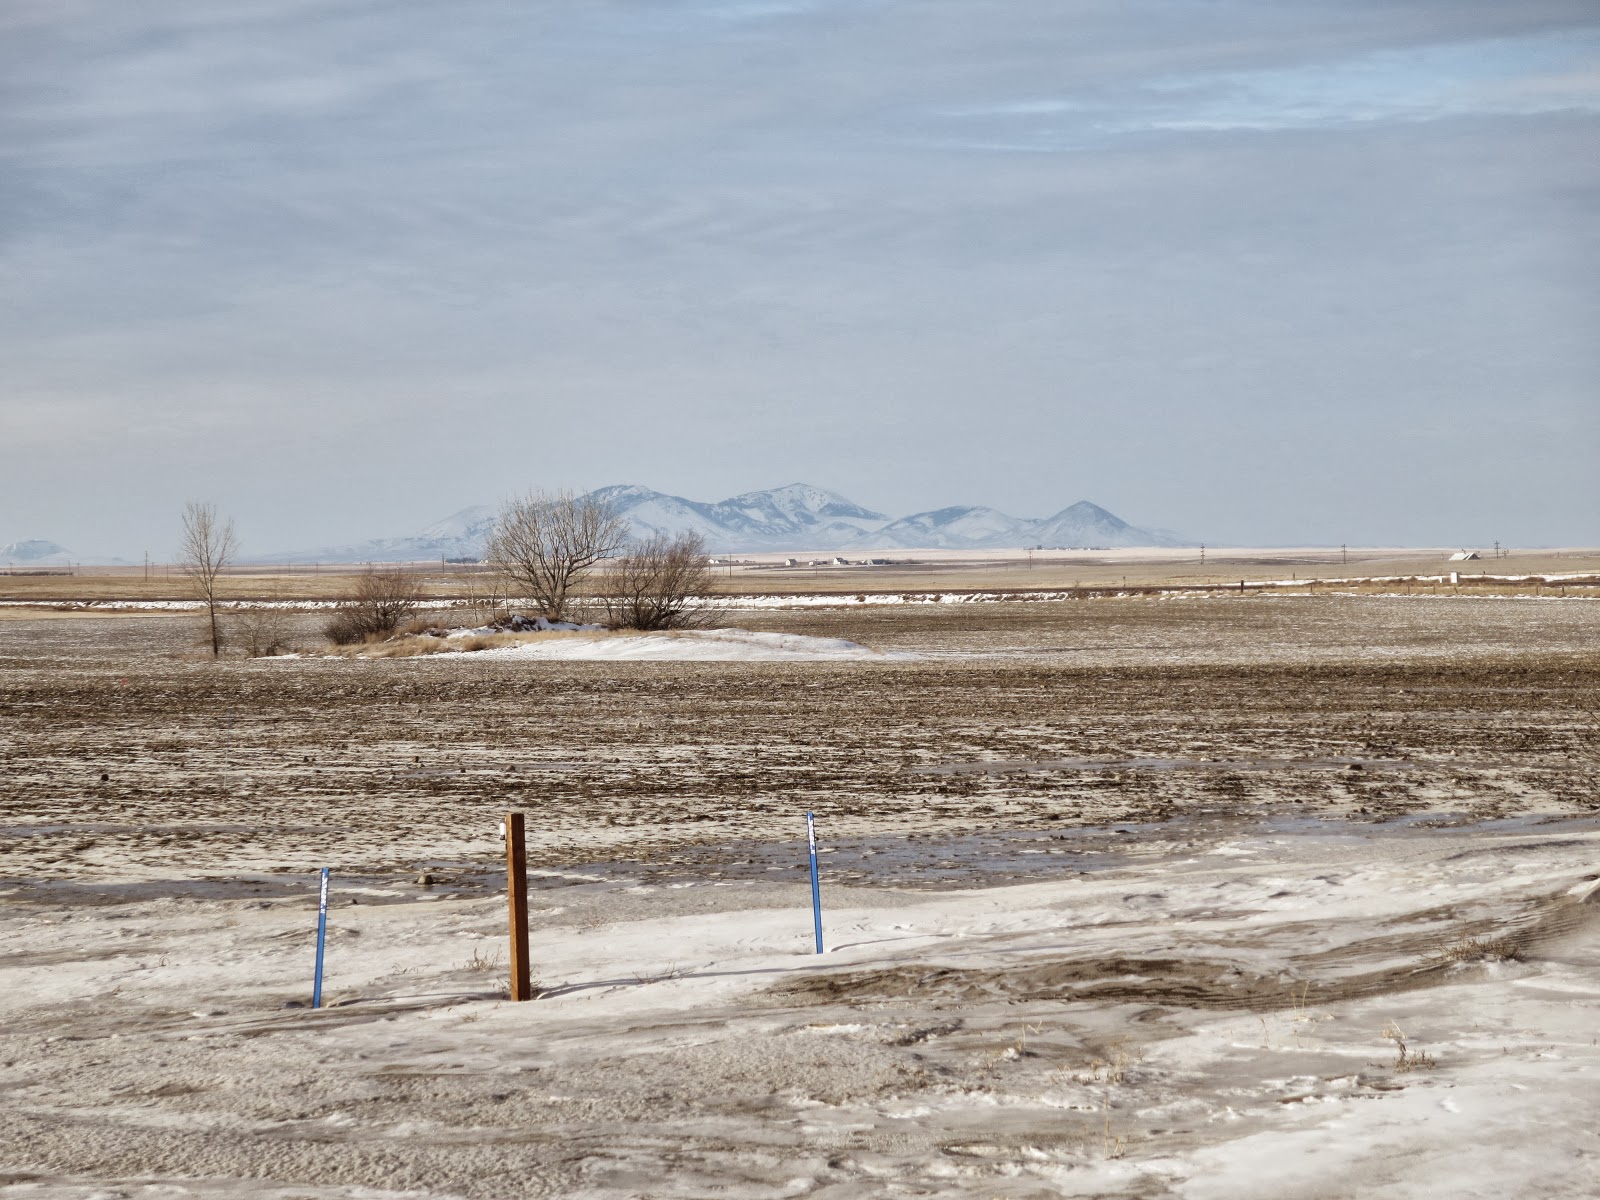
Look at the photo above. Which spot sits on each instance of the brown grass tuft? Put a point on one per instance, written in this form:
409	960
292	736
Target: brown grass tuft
1478	949
1407	1059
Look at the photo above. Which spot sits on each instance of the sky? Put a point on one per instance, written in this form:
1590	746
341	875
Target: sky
1256	271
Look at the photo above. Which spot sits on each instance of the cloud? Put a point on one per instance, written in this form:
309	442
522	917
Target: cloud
792	239
1536	74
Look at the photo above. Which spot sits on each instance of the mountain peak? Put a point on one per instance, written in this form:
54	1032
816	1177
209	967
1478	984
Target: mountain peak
800	504
1086	508
1086	524
622	493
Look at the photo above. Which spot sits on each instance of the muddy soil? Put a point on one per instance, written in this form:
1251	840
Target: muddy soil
125	752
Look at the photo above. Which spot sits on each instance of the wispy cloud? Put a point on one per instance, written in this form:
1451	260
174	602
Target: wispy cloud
1519	76
1504	77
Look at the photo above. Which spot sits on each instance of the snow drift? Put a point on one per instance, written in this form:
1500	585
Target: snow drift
708	645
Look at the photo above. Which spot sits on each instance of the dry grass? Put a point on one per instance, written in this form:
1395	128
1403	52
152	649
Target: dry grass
110	583
939	570
1478	949
1112	1145
423	625
483	962
62	614
1407	1059
949	571
405	646
1113	1068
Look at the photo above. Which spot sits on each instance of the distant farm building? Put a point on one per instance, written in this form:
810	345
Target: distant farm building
1464	556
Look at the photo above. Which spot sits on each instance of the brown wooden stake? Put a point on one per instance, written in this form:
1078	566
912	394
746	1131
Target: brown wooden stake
517	891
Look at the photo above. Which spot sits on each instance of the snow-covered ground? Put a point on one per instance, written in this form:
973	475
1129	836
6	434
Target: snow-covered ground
704	645
1209	1017
570	642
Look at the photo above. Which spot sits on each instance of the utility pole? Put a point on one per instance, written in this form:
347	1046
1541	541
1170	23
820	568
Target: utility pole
1344	554
1202	554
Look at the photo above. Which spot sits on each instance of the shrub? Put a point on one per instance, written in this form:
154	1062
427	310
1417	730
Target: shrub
260	632
659	584
382	600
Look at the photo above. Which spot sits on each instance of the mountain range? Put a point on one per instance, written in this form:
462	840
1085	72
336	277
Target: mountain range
797	517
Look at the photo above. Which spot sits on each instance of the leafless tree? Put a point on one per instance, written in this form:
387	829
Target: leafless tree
658	584
261	631
382	600
484	599
545	542
208	546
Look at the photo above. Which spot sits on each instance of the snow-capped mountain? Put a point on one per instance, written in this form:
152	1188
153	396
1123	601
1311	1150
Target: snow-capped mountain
35	552
961	527
965	527
797	517
1085	524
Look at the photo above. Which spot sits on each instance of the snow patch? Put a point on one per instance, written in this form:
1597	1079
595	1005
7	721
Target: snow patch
707	645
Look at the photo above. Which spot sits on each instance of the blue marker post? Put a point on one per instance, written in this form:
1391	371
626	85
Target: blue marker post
322	937
816	892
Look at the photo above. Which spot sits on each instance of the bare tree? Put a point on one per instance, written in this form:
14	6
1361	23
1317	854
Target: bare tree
484	599
208	546
381	601
264	630
545	542
658	584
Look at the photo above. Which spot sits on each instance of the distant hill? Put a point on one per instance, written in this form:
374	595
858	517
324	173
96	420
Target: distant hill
796	517
34	552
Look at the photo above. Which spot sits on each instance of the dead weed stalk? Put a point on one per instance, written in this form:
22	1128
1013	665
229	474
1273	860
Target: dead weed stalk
483	962
1407	1059
1112	1069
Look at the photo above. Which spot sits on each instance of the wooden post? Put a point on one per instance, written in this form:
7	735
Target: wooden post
517	892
